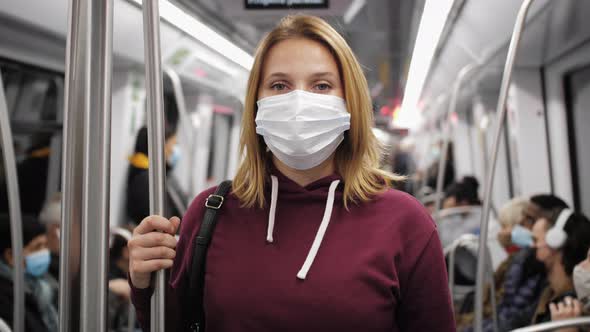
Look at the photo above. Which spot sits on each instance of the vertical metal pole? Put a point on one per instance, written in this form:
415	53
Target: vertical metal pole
501	114
442	165
97	152
14	208
86	146
155	105
190	135
69	261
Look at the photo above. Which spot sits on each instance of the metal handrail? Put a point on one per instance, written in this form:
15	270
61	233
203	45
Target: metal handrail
559	324
157	172
190	135
86	171
71	171
464	73
501	114
96	90
14	209
452	252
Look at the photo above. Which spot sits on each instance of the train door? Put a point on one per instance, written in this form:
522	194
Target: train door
577	89
567	84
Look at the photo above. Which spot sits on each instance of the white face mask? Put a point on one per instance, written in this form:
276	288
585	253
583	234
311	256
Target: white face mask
581	278
302	129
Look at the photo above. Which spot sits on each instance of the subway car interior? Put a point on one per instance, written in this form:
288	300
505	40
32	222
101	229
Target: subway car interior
481	104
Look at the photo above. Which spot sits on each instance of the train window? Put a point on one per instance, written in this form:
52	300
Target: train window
577	100
34	97
220	138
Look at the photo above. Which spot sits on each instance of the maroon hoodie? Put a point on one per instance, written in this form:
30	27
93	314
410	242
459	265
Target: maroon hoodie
379	266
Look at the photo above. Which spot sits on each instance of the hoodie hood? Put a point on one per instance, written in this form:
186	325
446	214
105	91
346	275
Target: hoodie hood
325	189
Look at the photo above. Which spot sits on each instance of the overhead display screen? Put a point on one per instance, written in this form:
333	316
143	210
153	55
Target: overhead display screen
286	4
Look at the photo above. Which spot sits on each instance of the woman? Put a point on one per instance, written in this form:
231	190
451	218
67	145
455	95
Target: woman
560	254
574	308
309	179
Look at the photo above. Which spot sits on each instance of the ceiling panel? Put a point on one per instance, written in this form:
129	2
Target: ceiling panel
379	34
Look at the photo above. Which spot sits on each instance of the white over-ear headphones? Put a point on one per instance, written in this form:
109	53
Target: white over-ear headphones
556	236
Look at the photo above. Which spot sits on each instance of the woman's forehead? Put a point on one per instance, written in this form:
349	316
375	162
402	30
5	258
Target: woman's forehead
299	56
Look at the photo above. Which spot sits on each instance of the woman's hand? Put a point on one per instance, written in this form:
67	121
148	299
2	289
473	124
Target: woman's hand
151	248
569	308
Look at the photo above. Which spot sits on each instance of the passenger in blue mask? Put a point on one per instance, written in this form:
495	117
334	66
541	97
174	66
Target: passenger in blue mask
138	177
40	288
521	278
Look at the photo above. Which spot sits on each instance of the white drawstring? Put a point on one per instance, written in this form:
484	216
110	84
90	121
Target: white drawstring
273	208
321	231
302	274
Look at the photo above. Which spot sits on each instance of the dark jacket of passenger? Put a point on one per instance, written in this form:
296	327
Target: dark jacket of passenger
34	321
138	202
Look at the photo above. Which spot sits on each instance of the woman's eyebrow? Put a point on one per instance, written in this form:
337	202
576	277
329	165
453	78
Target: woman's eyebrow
276	75
324	74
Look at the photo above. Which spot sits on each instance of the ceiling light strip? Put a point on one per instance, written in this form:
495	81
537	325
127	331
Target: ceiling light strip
432	23
201	32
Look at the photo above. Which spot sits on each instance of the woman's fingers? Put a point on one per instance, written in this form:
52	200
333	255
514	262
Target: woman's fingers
577	308
154	253
553	309
146	267
152	239
157	223
175	223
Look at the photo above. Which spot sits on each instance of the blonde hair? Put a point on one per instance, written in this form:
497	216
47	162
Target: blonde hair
511	213
356	159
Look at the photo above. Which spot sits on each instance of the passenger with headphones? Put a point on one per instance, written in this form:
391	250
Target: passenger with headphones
561	243
522	280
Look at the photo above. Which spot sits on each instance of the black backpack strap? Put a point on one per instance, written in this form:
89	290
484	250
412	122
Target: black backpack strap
197	272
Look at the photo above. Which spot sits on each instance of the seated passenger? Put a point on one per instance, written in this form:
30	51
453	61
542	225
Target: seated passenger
462	193
573	308
119	289
452	226
521	281
50	216
510	216
119	254
561	244
40	288
559	259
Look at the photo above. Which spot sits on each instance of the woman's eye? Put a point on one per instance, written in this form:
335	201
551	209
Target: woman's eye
278	86
322	87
